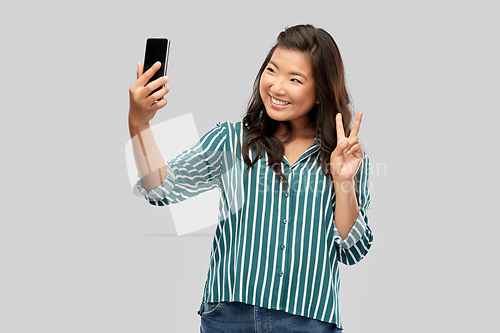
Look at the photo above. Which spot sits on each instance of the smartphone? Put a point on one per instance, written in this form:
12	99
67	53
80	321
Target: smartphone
157	49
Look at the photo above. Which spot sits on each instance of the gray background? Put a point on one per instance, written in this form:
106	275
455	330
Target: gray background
80	253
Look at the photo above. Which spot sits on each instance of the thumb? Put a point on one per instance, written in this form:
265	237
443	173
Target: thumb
140	69
341	147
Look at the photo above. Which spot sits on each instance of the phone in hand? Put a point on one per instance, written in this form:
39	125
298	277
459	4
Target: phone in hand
157	49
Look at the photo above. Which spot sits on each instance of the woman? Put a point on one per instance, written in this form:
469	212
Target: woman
294	190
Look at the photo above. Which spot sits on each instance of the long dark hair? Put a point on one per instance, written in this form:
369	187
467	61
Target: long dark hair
328	74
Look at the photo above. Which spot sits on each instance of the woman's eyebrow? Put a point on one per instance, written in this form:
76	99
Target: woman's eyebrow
271	62
293	73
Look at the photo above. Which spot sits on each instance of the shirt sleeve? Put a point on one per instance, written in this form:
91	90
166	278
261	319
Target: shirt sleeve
359	240
193	171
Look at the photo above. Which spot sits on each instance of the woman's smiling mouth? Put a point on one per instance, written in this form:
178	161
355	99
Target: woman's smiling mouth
277	103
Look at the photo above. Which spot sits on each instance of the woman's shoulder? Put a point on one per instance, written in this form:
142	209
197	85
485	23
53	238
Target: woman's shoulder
230	132
230	127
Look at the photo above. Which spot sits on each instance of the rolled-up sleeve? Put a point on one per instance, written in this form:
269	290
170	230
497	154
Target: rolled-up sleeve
359	240
193	171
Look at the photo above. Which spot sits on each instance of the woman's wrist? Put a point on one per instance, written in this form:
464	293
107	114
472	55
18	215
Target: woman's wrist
136	128
343	185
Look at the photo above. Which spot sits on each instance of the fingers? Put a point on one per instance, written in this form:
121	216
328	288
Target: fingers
354	148
152	86
157	95
144	77
348	146
158	104
144	103
342	147
340	127
357	124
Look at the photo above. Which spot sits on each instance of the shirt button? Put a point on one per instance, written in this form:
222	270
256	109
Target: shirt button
281	273
283	246
285	221
286	194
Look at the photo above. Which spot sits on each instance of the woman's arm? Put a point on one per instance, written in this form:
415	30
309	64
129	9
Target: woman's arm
148	159
352	198
346	207
345	161
354	236
143	107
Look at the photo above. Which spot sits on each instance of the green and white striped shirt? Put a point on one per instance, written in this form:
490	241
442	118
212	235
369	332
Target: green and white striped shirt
272	248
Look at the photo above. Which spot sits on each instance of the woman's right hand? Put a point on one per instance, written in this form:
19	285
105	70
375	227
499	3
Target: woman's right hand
142	106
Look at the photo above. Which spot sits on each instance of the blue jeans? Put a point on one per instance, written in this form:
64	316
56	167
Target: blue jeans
237	317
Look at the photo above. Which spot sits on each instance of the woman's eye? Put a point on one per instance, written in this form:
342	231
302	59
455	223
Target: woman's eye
269	69
295	80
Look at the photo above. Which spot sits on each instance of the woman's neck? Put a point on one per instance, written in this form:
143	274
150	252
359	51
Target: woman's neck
302	132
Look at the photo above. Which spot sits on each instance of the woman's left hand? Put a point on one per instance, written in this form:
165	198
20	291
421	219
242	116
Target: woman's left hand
347	156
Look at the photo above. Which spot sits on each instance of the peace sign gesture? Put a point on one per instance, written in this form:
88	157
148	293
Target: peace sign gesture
347	156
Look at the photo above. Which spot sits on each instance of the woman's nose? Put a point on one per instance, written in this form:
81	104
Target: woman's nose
278	88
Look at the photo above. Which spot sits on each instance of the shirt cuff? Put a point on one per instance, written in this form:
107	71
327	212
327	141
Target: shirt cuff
161	192
357	231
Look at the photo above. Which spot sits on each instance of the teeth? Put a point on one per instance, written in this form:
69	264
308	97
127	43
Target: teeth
278	102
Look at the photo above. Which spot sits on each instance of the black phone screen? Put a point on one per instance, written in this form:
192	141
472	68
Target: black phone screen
156	50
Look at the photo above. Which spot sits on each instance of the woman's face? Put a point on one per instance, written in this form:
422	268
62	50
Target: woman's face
287	87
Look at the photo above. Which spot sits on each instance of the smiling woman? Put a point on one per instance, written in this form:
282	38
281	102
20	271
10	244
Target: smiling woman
305	64
290	215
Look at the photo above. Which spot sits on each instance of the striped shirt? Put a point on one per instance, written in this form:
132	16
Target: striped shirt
274	248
